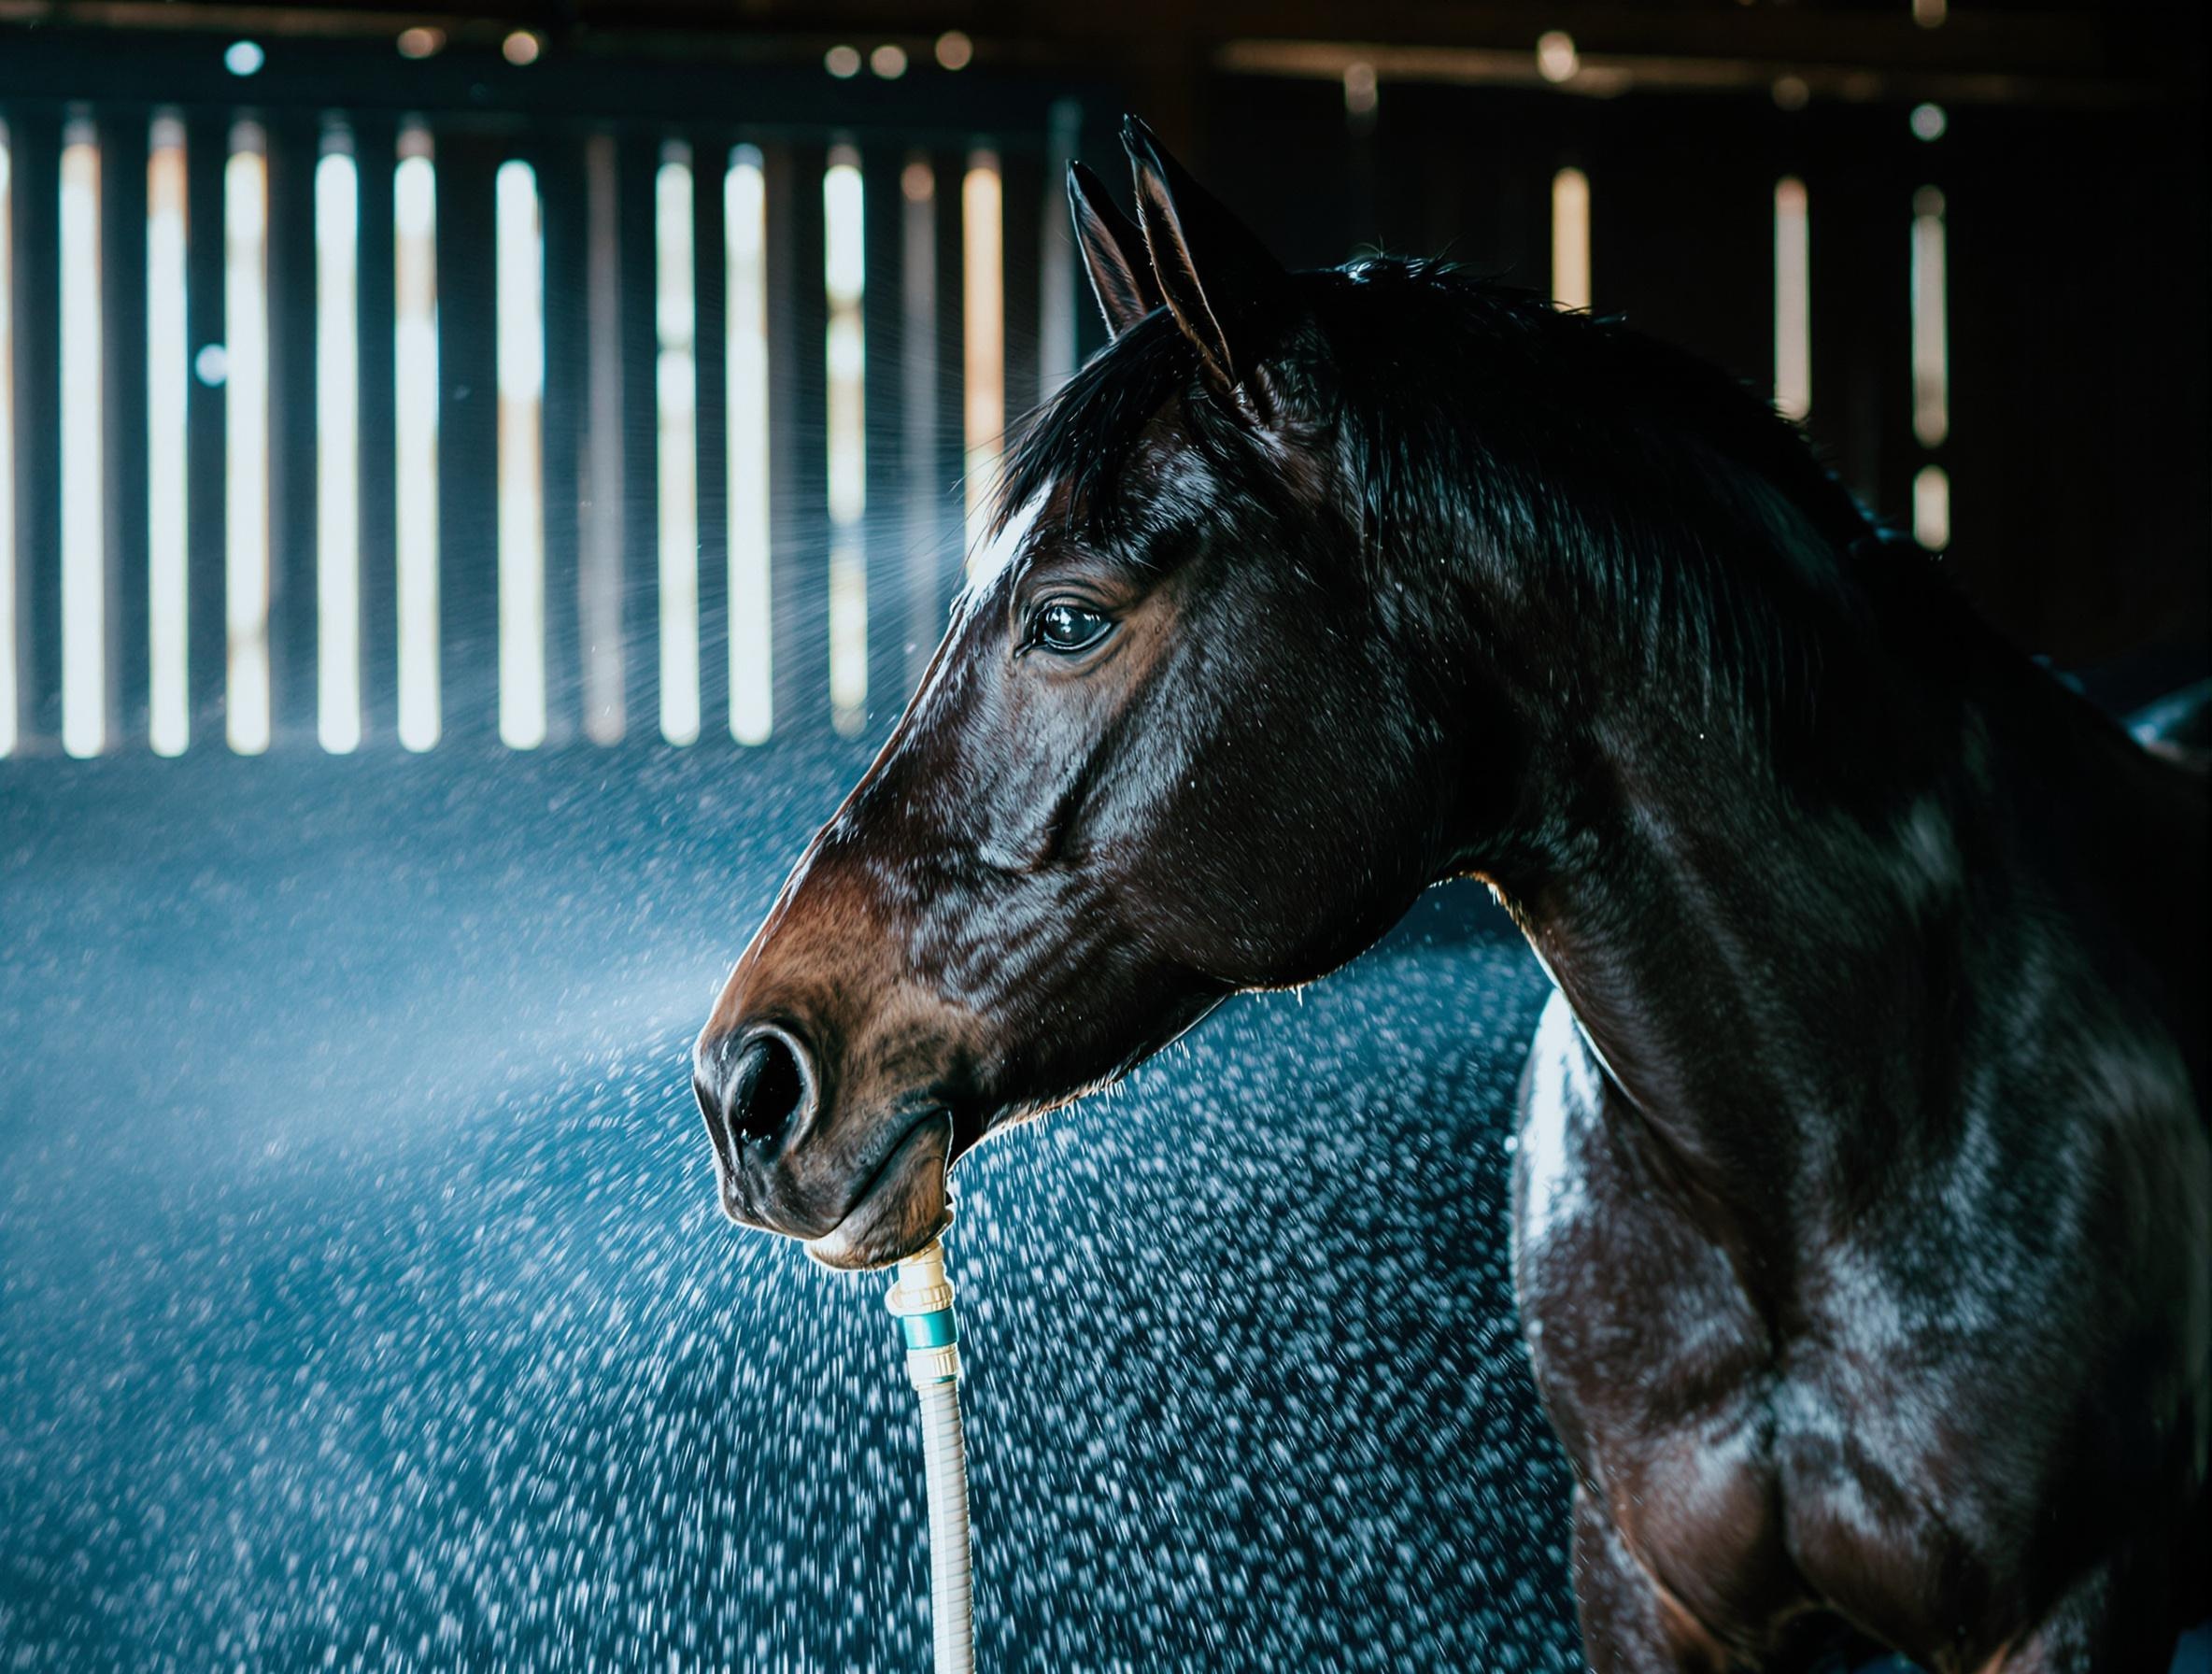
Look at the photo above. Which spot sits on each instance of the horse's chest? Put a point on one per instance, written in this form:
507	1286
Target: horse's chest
1653	1364
1743	1477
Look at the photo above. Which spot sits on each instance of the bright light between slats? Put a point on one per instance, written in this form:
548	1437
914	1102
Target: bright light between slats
1930	345
337	453
845	267
982	316
676	380
752	682
1570	238
520	265
917	380
415	345
84	529
1055	262
246	696
1793	300
599	578
168	356
1931	507
10	677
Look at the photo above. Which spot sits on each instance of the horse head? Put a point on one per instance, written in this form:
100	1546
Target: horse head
1176	744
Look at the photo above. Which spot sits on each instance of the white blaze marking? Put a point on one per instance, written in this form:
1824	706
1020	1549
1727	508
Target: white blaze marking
996	554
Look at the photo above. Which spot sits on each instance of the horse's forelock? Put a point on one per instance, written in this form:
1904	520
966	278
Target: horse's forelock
1076	448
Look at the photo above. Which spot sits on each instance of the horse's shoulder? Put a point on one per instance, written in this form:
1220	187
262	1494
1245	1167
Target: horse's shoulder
1601	1255
1651	1360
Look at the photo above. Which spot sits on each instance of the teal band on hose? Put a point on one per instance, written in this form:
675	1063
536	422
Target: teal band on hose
929	1330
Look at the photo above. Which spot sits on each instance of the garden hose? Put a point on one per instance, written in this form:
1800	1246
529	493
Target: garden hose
922	1297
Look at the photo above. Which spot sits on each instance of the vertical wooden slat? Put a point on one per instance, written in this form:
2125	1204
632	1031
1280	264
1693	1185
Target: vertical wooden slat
600	557
558	161
710	156
1057	262
12	554
951	464
123	405
1682	233
206	149
883	324
1861	204
1283	142
1021	177
797	321
1491	209
376	156
922	490
294	150
637	159
1365	195
34	141
2014	384
468	436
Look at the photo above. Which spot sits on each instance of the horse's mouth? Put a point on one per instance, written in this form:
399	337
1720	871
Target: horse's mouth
902	1207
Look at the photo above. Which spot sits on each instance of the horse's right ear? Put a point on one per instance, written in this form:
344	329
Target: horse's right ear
1113	251
1224	286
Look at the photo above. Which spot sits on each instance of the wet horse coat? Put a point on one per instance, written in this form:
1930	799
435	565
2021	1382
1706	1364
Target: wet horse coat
1863	1191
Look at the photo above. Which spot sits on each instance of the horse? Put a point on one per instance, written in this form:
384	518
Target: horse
1862	1191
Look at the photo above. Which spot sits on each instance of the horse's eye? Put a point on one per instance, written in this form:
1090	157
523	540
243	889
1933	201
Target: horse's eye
1064	627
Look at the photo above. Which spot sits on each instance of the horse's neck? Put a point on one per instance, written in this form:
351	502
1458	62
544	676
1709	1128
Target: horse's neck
1770	977
1775	980
1721	957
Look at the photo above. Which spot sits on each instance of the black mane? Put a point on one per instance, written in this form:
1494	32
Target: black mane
1476	419
1402	332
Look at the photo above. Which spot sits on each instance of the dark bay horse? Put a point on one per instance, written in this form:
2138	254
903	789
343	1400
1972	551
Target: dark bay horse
1862	1190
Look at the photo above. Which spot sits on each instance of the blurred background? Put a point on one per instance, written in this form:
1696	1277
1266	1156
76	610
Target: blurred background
474	485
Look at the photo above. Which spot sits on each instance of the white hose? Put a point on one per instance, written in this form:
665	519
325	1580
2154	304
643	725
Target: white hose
945	1453
923	1300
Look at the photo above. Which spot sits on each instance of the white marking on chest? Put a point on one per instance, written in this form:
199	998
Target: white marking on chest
1931	871
1563	1085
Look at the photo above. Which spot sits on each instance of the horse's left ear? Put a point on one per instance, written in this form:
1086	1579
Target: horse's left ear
1113	251
1224	289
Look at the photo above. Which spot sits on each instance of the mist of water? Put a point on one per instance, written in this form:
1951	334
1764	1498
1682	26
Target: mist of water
366	1304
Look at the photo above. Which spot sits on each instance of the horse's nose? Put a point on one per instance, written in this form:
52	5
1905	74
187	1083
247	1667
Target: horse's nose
753	1090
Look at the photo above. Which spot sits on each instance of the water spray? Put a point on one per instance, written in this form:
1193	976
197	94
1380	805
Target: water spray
922	1297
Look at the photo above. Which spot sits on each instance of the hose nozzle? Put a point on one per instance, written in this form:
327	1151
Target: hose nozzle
922	1297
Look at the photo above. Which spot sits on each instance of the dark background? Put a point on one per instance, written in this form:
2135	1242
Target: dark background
2072	167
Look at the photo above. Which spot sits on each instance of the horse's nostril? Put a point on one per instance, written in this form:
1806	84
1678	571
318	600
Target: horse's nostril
767	1089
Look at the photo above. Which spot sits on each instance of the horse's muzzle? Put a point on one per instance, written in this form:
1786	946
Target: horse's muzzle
855	1199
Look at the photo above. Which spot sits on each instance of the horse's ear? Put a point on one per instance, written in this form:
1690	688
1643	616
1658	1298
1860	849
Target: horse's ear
1113	251
1222	284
